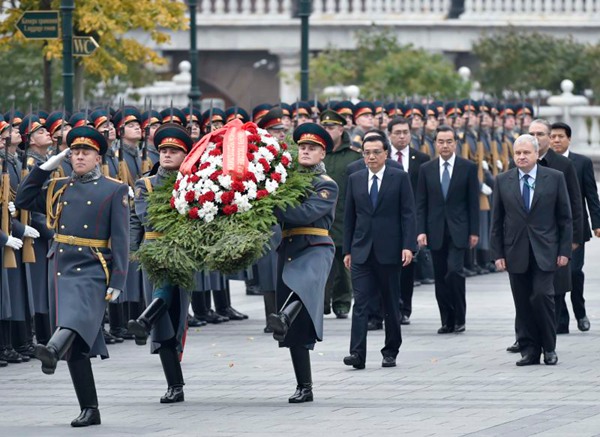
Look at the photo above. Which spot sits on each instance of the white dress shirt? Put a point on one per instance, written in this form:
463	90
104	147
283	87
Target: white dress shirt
532	176
379	175
405	155
450	161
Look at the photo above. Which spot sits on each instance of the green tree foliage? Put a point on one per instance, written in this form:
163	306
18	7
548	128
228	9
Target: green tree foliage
383	68
522	61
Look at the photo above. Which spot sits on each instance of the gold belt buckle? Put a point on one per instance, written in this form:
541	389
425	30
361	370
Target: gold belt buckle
71	240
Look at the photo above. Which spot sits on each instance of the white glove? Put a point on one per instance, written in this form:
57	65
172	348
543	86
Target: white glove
11	208
499	164
485	189
112	294
131	194
54	162
14	243
485	165
31	232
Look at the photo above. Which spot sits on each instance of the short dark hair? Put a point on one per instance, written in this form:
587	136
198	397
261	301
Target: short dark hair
444	128
397	120
373	138
563	126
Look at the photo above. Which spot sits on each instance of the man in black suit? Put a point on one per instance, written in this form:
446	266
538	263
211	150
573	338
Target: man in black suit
448	222
410	161
560	140
531	237
379	237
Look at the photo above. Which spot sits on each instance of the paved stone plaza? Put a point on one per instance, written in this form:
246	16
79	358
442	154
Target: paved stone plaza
238	381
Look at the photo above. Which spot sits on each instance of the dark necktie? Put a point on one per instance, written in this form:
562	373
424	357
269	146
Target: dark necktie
445	180
374	191
526	192
400	160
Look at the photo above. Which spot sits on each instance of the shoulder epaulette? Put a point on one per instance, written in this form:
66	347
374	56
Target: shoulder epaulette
113	179
355	149
326	177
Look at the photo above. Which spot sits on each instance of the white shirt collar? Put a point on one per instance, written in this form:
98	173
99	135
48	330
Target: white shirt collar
532	174
379	174
566	154
450	161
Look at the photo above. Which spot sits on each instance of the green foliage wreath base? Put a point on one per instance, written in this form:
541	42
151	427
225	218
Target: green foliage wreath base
227	244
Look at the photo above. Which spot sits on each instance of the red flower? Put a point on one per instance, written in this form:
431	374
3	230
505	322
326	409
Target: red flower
209	196
205	165
215	175
230	209
252	148
276	176
250	157
272	149
265	164
172	203
194	169
237	186
249	176
261	193
177	183
193	213
227	197
190	196
249	127
284	146
285	161
215	152
254	138
194	178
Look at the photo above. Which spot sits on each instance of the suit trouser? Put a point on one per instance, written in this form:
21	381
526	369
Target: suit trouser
533	294
407	285
338	290
366	278
448	263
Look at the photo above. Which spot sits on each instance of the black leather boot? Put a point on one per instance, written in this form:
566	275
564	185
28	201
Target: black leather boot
282	321
57	346
116	320
142	326
85	389
301	363
42	327
172	368
270	307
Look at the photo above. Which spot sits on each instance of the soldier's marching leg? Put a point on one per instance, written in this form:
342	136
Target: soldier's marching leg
270	307
116	320
280	322
80	368
57	347
141	326
169	359
301	362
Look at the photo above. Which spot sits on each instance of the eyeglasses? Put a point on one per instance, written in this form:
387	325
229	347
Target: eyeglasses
367	153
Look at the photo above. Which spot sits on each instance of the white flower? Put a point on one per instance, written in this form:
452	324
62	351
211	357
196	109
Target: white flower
181	205
208	211
271	186
249	185
242	202
225	181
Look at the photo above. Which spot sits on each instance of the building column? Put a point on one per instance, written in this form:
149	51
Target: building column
289	74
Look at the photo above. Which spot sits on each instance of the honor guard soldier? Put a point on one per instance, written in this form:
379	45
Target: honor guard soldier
101	119
36	142
287	109
58	127
272	122
213	119
86	210
236	112
524	116
363	119
306	247
166	315
338	291
172	115
193	117
346	109
260	111
151	120
301	113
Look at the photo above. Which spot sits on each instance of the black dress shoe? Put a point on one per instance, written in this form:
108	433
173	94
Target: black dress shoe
48	356
374	326
550	358
529	360
354	361
193	322
27	349
122	333
583	324
405	320
341	314
514	348
267	329
388	362
212	317
416	283
10	356
232	314
427	281
468	273
303	394
445	330
173	394
87	417
459	328
108	339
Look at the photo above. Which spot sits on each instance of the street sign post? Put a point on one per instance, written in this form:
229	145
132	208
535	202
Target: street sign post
84	45
39	24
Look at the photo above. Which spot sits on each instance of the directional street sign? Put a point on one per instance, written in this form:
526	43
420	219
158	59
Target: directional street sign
39	24
84	45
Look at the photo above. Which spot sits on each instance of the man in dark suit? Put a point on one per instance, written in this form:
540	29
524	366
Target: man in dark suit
448	222
379	237
560	140
531	237
410	160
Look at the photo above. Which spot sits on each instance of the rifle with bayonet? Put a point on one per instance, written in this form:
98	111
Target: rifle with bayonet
423	146
123	171
9	260
146	162
28	252
315	110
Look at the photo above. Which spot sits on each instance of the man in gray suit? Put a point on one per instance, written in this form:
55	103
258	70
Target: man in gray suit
531	237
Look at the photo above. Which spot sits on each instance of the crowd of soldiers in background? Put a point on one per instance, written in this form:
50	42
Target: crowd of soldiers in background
486	133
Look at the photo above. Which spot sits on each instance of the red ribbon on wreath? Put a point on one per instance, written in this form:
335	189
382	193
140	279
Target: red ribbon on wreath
235	150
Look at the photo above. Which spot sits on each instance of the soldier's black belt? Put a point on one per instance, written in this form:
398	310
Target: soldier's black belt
305	231
77	241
